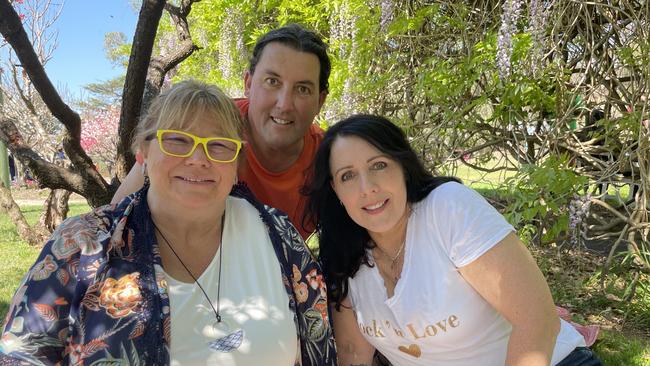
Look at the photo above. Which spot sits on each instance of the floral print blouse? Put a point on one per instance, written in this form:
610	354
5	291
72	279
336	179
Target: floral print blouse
94	296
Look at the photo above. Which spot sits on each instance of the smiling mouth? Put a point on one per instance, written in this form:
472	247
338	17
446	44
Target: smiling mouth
281	121
376	206
196	180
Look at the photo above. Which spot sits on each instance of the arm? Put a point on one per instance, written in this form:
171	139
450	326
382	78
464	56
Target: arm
508	278
351	347
133	181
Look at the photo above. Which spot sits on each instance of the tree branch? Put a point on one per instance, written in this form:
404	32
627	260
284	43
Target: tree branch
136	74
51	175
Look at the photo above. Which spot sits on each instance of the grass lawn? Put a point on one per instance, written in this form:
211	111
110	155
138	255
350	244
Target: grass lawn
614	347
16	255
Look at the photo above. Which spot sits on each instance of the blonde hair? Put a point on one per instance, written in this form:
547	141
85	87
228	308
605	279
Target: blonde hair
180	108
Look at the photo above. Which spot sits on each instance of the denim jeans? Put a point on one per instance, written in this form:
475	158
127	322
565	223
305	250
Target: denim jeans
581	356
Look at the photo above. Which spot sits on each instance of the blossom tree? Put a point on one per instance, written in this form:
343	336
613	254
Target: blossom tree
99	134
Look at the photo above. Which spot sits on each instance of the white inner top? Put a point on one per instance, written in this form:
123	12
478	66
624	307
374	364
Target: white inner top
253	299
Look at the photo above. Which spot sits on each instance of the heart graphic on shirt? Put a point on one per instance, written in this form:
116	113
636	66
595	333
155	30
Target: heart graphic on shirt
413	350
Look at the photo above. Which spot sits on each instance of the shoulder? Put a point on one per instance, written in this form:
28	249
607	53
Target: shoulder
314	129
445	194
241	207
243	199
287	242
92	232
453	194
83	233
242	105
450	188
316	133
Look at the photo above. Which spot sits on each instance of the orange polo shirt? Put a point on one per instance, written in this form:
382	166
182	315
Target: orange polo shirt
281	190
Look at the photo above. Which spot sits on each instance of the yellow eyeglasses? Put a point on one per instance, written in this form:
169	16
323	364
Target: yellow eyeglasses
182	144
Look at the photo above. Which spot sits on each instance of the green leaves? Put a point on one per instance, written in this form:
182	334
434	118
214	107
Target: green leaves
541	195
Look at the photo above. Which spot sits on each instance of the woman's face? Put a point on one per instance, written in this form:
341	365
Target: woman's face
369	183
191	182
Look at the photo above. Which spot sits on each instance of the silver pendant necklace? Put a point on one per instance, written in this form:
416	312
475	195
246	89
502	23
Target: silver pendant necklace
393	259
233	339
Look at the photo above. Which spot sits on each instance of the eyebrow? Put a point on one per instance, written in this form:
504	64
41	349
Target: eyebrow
367	161
303	82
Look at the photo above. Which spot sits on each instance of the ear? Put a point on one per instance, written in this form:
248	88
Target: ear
248	79
139	157
321	99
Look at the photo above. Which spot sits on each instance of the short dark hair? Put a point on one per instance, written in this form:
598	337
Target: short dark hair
342	241
300	39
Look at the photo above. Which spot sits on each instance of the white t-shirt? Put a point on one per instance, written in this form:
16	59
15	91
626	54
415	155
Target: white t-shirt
435	317
253	299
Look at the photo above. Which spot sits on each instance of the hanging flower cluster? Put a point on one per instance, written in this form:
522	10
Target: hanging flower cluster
387	13
537	19
231	47
578	212
509	19
344	31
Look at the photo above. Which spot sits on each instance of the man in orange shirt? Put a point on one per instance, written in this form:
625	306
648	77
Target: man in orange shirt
285	86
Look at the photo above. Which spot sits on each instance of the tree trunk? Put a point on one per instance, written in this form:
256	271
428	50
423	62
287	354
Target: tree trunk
55	209
31	235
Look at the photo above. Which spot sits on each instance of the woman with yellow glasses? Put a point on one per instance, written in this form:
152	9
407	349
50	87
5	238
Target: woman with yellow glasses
190	270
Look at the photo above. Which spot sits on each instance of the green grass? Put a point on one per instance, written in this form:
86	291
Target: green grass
478	180
16	255
615	349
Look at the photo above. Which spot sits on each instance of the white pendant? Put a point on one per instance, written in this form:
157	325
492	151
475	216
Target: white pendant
228	343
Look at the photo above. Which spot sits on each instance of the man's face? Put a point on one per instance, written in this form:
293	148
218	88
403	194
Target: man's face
284	97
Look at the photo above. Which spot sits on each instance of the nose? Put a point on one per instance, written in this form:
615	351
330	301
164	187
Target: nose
284	101
198	156
367	184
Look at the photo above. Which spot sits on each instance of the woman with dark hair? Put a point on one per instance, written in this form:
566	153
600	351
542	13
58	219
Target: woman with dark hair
422	268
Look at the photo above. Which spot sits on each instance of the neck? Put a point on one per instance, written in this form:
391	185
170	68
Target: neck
189	229
391	241
275	159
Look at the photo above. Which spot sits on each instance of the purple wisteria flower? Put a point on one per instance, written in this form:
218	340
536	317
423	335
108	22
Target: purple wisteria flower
232	51
578	212
387	13
509	18
537	19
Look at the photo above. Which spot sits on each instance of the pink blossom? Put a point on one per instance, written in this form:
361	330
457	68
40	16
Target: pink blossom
99	133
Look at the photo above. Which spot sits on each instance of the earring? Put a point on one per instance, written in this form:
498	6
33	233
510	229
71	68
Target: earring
144	173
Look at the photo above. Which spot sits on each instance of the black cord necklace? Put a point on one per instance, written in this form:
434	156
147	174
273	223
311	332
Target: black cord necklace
231	339
216	311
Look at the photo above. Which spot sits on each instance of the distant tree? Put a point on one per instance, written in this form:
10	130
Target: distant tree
103	94
117	49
